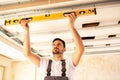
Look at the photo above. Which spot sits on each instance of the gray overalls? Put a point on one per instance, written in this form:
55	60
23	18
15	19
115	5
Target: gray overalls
63	75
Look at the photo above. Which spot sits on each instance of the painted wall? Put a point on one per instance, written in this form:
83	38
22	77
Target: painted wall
91	67
99	67
24	70
6	63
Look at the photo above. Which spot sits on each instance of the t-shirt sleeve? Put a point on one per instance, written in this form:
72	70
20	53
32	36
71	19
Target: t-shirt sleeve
70	68
71	62
43	62
43	67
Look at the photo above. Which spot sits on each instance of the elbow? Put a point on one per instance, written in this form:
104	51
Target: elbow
81	50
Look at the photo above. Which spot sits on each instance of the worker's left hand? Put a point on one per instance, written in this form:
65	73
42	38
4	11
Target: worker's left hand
72	17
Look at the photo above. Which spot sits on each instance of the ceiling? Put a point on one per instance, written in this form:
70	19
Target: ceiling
100	32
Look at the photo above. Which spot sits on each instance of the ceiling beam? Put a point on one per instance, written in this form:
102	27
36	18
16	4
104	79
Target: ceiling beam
53	4
96	50
30	4
10	42
85	32
97	42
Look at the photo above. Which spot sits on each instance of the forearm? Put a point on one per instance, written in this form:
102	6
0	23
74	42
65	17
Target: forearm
77	39
26	45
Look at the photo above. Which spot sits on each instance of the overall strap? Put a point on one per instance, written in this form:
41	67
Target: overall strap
63	68
49	68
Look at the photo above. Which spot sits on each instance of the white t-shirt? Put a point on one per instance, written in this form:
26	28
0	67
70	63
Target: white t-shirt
56	68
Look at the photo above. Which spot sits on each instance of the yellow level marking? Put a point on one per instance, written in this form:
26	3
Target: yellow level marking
52	16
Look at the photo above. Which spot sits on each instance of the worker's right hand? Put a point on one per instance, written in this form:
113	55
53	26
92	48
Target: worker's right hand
24	24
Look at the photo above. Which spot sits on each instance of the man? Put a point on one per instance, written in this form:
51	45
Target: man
58	49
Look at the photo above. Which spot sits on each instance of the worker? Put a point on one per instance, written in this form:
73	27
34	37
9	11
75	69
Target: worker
57	67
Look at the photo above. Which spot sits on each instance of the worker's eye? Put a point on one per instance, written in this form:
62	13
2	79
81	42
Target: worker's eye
59	44
53	45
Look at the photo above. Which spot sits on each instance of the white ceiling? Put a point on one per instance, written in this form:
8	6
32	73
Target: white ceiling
42	33
7	2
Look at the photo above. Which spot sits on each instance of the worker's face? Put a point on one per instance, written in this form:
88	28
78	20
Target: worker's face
57	47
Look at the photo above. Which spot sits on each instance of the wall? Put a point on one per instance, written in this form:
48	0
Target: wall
23	70
91	67
6	63
99	67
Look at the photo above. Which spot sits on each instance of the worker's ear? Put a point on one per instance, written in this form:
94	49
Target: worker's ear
64	49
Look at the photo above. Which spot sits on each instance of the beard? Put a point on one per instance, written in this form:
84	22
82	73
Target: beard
56	51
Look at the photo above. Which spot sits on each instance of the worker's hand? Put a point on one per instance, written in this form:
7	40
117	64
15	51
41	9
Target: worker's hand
24	24
72	17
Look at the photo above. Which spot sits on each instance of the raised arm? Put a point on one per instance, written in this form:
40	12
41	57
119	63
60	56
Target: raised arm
26	46
79	50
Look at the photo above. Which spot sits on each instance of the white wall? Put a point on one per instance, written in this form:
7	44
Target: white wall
6	62
23	70
91	67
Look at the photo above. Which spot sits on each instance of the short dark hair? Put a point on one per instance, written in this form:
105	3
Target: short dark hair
60	40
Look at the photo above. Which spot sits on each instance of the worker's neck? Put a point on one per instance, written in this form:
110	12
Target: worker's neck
58	57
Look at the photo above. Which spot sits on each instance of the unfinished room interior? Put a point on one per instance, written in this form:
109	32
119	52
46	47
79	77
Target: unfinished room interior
97	24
